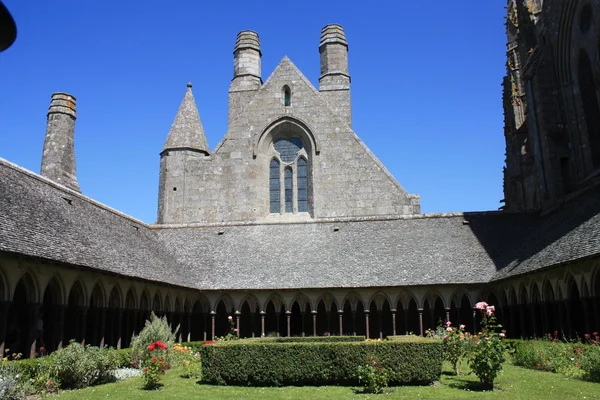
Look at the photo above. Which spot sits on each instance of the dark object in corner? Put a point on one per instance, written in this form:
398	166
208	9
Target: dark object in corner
8	29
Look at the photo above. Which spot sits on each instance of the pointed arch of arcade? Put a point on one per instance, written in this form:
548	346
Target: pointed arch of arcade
75	313
353	315
326	308
379	317
434	311
221	325
300	316
575	312
129	320
461	311
157	304
21	332
250	320
275	316
114	315
199	320
49	321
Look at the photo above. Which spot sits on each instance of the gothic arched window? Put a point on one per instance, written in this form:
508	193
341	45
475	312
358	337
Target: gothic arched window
288	163
287	96
274	187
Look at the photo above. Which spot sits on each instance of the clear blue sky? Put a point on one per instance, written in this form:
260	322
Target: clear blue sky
426	89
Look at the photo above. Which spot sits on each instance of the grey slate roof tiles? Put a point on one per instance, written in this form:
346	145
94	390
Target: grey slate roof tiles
39	218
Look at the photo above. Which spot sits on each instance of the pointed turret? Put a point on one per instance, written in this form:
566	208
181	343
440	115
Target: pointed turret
187	132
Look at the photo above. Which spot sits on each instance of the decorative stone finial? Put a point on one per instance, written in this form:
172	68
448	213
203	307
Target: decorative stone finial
189	84
333	33
247	40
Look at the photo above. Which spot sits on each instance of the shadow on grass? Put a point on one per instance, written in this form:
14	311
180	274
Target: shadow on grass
471	386
156	386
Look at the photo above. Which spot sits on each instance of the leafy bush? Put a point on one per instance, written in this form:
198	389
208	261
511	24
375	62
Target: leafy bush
274	364
546	355
591	363
155	330
454	344
189	360
123	357
154	364
12	384
309	339
372	374
487	350
77	366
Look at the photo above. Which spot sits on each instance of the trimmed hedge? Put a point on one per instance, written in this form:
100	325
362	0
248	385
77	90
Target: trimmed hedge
309	339
254	363
409	339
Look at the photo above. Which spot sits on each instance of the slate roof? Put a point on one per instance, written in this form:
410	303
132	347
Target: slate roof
571	232
42	219
187	131
39	218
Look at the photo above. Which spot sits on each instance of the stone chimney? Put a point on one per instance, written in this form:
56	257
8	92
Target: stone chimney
58	158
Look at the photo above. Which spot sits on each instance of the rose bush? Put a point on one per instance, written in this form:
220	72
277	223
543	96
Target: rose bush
154	364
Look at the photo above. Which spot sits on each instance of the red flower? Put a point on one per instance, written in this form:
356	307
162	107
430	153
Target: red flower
153	359
162	360
146	370
151	348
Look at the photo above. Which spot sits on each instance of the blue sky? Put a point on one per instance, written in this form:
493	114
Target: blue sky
426	91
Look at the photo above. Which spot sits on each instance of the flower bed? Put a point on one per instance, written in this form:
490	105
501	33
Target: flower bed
257	363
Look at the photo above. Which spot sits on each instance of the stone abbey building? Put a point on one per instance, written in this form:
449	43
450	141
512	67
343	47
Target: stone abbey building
293	227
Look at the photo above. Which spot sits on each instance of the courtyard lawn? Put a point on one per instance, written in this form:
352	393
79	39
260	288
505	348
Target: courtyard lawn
514	383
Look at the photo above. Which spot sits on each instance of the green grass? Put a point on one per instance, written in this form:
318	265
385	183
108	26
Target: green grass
514	383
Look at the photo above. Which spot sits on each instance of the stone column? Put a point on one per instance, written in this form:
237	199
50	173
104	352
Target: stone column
448	314
380	323
119	313
420	310
393	310
288	316
60	325
353	323
262	323
188	316
367	323
277	314
237	322
302	315
212	325
406	320
4	308
32	335
314	316
341	318
102	312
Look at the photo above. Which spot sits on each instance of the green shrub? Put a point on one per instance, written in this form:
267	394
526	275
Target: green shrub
77	366
31	367
373	376
591	363
309	339
123	357
155	330
546	355
12	384
258	363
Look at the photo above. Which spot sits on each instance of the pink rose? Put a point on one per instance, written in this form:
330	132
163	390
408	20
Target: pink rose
448	323
481	305
461	327
489	310
449	329
502	334
230	318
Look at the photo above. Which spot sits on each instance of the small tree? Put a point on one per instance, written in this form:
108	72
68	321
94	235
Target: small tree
155	330
487	354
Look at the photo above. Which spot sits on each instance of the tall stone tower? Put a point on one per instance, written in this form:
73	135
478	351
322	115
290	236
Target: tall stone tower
185	144
334	83
58	157
246	72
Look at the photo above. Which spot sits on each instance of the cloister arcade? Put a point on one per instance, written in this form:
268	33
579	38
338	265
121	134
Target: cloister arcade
106	310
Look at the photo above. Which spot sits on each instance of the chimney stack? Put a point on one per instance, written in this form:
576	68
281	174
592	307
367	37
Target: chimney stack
58	158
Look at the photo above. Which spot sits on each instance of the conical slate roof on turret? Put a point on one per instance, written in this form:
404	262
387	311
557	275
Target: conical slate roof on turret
187	131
